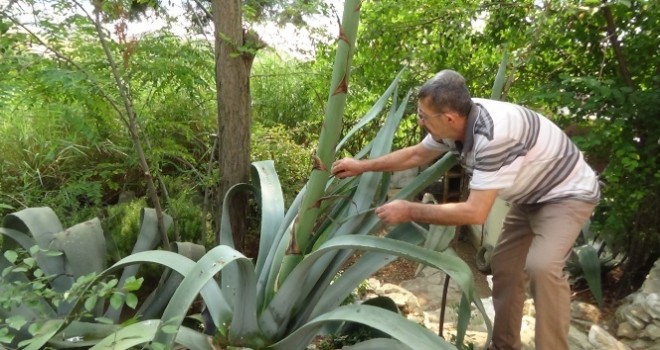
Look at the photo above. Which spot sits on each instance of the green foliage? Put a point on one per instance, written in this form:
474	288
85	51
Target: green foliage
123	224
295	161
288	93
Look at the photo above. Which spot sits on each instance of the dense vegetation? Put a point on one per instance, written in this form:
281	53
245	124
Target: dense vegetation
66	142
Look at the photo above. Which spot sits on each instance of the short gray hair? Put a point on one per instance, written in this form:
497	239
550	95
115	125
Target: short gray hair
448	91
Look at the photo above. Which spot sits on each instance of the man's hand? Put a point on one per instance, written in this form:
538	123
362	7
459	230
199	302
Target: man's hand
395	212
347	167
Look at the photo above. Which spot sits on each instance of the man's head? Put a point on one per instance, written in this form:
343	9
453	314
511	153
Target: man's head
444	104
446	92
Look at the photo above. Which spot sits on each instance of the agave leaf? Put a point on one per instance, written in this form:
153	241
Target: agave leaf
371	223
438	238
373	112
230	276
379	344
243	325
147	239
500	78
271	200
43	335
83	246
42	223
274	256
156	302
144	331
590	264
366	265
275	318
407	332
90	333
24	241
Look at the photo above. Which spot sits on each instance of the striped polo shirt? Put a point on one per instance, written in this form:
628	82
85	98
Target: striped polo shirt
520	153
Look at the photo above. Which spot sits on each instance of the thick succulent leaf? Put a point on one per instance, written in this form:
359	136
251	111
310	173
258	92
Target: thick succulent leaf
366	265
147	239
275	253
407	332
438	238
43	335
368	187
500	78
243	325
42	223
590	264
379	344
155	303
271	201
83	246
144	331
373	112
213	297
230	277
82	335
275	318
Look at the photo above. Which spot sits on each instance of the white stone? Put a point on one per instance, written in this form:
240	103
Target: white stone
600	339
578	340
651	332
625	330
639	312
653	305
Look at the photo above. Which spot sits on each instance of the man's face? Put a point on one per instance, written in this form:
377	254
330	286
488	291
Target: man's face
435	123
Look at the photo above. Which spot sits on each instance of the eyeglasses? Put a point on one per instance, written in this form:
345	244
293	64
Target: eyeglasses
423	118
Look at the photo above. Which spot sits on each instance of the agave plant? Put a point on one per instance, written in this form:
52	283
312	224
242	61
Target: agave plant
57	303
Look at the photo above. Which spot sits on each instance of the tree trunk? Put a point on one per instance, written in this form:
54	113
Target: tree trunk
233	98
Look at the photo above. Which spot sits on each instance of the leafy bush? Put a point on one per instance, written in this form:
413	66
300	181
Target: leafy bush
292	161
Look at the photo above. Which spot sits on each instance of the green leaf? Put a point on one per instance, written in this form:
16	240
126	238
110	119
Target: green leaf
131	300
16	322
90	303
42	335
116	300
412	334
104	320
590	264
11	256
132	284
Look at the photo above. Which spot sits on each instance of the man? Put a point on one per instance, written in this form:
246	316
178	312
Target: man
522	157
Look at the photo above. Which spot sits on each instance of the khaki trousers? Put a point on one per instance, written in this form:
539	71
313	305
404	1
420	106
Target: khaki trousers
535	243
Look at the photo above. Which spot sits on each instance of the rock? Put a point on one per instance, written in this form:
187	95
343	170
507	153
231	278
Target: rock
652	283
578	340
428	286
625	330
584	311
653	305
600	339
404	299
651	332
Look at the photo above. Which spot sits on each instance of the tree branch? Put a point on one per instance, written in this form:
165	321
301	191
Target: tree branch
132	124
614	41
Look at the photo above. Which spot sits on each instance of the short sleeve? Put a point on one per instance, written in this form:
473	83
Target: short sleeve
429	143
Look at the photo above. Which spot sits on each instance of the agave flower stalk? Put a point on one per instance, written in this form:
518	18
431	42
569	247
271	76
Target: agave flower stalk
330	131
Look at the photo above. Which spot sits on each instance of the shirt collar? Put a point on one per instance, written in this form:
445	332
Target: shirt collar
468	138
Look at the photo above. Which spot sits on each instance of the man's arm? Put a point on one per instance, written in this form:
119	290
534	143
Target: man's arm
474	211
402	159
